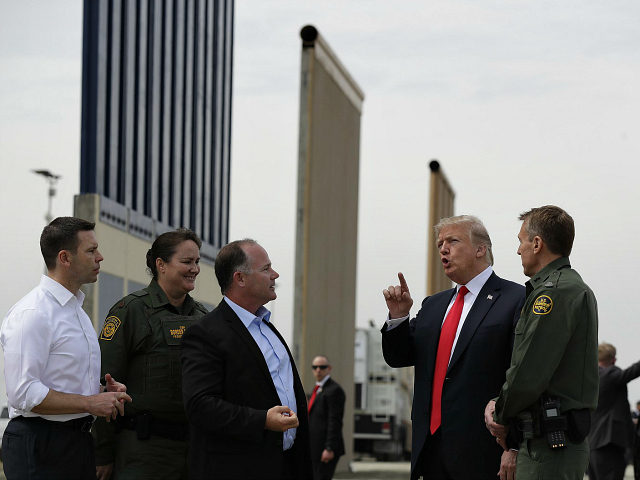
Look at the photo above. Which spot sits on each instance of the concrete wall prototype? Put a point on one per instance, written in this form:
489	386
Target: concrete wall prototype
441	201
124	243
327	219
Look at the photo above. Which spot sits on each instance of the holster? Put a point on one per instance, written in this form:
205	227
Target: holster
579	424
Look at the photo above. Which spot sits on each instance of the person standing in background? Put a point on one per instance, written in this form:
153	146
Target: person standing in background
612	429
326	409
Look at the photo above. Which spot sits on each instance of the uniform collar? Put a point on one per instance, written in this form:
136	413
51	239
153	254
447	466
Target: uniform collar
159	299
542	276
60	293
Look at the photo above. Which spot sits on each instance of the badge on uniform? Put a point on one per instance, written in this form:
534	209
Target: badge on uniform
111	325
542	305
177	332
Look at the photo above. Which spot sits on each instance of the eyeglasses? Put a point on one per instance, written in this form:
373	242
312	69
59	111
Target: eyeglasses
321	367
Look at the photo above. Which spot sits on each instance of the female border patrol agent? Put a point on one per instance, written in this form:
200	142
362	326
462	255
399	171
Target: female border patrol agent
140	343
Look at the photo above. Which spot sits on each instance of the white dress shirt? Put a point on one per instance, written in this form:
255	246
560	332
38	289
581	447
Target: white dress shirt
321	383
474	286
49	343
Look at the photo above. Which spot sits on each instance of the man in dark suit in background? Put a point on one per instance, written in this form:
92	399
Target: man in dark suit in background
242	393
326	409
460	344
611	426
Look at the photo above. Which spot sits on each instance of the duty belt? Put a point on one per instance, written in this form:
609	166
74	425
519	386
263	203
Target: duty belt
145	425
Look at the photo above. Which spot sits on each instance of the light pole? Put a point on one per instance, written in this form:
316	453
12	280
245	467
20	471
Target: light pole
52	178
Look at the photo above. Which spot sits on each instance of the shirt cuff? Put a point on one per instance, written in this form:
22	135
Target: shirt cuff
35	395
394	322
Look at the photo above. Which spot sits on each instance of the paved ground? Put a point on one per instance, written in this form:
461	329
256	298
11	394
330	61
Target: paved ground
367	470
380	471
400	471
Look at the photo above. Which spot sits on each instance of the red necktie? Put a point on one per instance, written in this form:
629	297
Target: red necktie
447	335
313	397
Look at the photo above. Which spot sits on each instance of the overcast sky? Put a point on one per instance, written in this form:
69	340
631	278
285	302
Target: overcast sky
523	103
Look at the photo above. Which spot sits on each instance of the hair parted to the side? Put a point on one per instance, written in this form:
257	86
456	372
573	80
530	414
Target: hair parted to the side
606	352
553	225
477	231
166	244
230	259
61	234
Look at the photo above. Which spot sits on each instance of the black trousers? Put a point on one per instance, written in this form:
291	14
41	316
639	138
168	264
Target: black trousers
324	471
430	460
636	455
607	463
37	449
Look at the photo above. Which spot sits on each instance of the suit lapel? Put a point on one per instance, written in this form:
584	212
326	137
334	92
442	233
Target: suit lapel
238	327
319	392
486	298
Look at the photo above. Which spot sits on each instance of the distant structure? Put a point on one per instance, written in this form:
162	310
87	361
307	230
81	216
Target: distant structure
327	217
156	133
441	200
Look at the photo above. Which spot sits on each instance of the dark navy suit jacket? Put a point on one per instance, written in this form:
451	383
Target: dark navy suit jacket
611	422
475	374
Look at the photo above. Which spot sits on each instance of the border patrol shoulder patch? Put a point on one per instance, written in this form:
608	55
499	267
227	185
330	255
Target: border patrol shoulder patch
542	305
111	325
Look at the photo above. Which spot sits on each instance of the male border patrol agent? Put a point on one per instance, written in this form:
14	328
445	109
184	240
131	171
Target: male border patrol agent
552	384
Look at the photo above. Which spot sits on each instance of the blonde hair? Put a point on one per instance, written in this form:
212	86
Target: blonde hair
478	233
606	352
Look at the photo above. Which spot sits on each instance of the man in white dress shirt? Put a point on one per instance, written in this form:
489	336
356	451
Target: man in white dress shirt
52	364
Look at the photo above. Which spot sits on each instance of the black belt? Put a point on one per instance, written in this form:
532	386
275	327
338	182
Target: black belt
82	424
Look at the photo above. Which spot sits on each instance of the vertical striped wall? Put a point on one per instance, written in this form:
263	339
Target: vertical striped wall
156	109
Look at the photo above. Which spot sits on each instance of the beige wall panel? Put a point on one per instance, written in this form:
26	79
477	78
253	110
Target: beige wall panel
441	200
326	256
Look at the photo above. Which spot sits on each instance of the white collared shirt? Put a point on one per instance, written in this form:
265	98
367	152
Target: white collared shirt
474	286
321	383
49	343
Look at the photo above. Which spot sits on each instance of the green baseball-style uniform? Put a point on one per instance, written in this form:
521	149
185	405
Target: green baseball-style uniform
555	353
140	347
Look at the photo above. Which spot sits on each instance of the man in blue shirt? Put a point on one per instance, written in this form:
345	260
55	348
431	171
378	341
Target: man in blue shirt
241	389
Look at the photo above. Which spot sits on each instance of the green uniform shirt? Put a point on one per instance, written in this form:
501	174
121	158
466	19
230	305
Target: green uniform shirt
555	349
140	347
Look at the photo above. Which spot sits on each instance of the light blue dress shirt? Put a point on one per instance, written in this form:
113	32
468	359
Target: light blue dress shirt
276	356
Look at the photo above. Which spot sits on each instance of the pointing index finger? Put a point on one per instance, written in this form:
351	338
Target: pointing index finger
403	282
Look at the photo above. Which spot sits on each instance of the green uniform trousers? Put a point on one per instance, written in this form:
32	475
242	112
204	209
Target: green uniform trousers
155	458
537	461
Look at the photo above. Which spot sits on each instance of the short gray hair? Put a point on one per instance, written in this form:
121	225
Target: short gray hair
477	231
